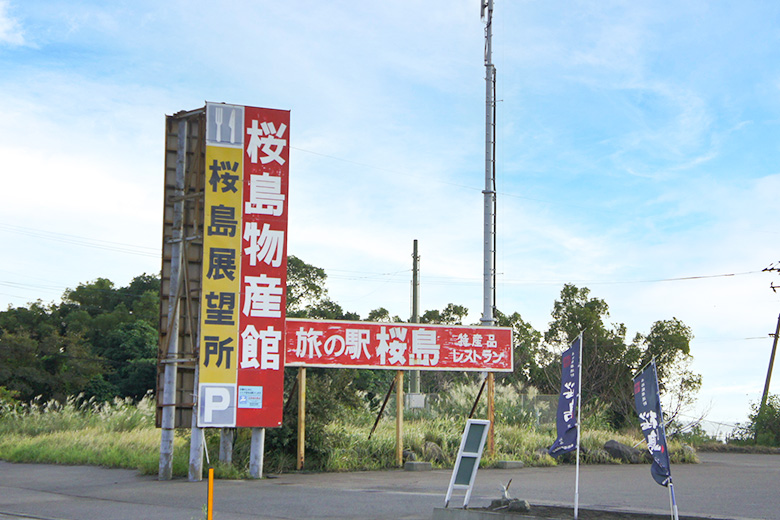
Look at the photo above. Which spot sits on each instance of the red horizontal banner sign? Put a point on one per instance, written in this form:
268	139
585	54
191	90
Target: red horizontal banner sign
399	346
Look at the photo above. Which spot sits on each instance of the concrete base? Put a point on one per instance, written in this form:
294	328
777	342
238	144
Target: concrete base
441	513
412	465
509	464
551	513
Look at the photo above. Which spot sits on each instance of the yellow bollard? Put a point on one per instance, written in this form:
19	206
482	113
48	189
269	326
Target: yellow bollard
210	503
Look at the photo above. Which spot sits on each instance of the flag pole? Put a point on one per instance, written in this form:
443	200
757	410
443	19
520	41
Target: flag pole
672	499
643	368
579	429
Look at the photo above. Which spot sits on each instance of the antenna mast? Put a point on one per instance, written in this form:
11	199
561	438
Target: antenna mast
490	182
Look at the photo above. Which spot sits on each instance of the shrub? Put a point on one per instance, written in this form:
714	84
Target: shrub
9	400
513	404
763	427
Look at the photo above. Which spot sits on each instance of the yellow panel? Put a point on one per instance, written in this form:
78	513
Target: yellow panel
220	300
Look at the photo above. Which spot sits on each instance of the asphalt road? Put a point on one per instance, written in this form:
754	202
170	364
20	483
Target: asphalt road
731	486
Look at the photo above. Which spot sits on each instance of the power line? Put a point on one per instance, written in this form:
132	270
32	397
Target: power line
18	285
337	274
65	238
729	425
678	279
61	290
456	280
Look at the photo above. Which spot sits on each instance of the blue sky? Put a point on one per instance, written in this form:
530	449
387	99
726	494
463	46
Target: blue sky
637	146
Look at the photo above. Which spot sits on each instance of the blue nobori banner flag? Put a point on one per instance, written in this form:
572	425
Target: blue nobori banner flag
567	419
651	420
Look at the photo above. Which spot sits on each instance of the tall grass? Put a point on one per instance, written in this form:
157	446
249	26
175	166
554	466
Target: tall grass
117	434
513	404
41	417
122	434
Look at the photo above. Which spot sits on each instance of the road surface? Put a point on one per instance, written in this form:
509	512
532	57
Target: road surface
724	485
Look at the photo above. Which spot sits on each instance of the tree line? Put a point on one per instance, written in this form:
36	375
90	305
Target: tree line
101	341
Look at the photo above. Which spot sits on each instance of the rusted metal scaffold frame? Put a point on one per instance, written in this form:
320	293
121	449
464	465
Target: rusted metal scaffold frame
182	257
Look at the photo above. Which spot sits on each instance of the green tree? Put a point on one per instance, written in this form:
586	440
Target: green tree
101	340
305	286
327	309
452	314
529	356
20	368
37	320
608	362
52	367
94	297
307	296
669	343
131	350
138	286
382	315
120	325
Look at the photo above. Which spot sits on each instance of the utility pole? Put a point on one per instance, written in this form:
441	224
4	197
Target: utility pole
489	257
765	395
490	184
414	375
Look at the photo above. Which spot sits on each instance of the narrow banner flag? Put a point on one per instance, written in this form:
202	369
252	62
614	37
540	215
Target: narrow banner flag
567	419
651	419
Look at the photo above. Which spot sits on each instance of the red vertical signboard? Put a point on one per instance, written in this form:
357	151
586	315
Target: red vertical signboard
261	326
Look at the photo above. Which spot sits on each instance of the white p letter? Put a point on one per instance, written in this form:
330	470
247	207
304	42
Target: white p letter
214	399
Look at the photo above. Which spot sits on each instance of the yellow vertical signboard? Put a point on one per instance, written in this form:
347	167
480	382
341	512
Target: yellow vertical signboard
221	284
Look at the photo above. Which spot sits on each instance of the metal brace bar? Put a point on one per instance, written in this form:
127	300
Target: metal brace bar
179	360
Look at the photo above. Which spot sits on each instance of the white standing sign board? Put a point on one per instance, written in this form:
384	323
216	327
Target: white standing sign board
469	455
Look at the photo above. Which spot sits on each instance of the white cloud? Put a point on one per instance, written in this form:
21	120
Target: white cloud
10	29
622	166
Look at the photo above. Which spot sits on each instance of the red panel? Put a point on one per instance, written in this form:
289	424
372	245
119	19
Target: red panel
400	346
263	268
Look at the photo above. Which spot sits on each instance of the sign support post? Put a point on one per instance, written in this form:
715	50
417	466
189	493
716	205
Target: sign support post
301	417
195	473
226	437
169	385
399	418
491	414
256	450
